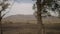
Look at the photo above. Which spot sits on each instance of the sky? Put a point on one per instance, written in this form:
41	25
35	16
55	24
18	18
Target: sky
21	7
24	7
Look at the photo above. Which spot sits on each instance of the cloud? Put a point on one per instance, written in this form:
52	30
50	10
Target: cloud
21	8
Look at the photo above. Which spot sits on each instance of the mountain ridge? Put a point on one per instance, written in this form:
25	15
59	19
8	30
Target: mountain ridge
30	18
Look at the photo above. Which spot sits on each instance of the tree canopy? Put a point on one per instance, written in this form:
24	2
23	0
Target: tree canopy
4	4
51	8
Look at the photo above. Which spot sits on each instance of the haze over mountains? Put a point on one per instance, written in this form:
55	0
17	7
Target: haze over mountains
20	18
30	19
26	17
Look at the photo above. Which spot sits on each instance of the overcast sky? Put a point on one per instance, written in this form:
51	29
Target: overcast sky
21	7
25	7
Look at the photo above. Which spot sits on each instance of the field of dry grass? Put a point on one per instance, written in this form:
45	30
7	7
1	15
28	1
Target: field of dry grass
29	28
21	26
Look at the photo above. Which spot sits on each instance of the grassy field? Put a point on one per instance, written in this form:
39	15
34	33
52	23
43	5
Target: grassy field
30	28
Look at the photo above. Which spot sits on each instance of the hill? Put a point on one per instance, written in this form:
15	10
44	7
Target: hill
30	19
20	18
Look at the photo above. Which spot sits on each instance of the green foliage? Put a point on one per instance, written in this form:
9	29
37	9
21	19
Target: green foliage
49	1
33	6
4	5
49	5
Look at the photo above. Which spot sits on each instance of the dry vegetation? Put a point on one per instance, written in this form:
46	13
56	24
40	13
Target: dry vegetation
31	27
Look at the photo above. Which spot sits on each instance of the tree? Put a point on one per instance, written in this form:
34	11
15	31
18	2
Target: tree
45	7
40	5
51	8
3	6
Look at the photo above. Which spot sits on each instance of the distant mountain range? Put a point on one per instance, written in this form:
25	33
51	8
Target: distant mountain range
20	18
26	17
30	18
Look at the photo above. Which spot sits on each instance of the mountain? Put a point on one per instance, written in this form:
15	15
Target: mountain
20	18
26	17
30	19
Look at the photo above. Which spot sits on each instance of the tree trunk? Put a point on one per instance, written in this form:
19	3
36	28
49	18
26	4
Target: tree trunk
39	17
1	31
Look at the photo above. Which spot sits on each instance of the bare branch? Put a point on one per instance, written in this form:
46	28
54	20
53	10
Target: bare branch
4	14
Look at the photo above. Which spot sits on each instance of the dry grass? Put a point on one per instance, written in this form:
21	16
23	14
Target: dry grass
29	28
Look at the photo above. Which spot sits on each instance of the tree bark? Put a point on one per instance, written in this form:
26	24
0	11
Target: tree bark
1	31
39	17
